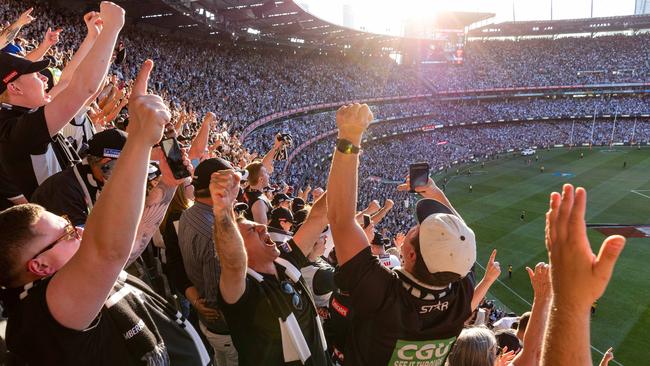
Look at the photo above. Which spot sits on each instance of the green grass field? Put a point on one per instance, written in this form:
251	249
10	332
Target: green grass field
506	186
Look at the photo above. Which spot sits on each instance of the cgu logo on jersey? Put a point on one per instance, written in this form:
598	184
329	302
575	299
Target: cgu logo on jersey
422	353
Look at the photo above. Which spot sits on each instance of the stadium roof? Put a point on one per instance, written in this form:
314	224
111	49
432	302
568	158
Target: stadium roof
276	22
567	26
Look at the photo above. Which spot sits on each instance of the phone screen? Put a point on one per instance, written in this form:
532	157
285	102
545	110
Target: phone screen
174	157
418	175
366	221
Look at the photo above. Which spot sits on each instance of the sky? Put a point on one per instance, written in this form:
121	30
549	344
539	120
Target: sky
388	16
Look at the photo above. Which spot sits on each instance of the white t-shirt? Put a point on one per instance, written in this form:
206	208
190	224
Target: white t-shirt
389	260
505	322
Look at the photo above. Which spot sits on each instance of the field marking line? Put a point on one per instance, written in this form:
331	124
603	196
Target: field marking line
639	192
529	304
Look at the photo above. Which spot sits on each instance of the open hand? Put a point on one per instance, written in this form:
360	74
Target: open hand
579	277
540	279
399	240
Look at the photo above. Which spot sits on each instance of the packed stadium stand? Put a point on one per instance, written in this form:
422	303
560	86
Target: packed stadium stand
256	86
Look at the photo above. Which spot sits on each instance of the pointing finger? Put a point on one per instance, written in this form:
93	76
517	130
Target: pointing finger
142	80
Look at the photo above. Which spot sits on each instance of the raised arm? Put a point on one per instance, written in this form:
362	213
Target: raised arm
492	272
200	142
267	160
373	207
432	191
94	25
51	38
224	186
578	277
540	278
379	215
156	203
78	291
349	238
8	34
90	74
180	121
608	356
312	228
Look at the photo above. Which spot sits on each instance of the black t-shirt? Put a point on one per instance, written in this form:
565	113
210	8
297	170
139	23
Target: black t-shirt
255	325
62	194
135	327
340	315
173	260
7	191
28	153
391	326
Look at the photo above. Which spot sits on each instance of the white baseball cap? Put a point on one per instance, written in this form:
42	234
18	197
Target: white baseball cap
447	244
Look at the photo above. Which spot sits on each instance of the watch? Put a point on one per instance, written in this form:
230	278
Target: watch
346	147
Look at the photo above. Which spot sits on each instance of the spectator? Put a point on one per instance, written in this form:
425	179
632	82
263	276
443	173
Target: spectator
477	347
74	293
74	191
427	301
31	148
273	289
522	324
260	206
202	265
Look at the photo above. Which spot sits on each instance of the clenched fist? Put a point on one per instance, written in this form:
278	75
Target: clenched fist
112	14
224	187
352	120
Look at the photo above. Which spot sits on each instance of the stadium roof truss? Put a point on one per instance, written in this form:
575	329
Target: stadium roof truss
272	22
566	26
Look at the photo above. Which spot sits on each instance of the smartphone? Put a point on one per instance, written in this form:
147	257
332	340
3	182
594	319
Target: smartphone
366	221
174	156
418	175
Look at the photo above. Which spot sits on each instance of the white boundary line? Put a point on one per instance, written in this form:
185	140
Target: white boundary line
639	192
529	304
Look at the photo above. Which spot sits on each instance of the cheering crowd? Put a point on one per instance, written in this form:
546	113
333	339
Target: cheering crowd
138	229
544	62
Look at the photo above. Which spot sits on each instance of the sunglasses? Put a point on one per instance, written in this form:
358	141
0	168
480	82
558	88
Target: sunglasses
287	288
70	233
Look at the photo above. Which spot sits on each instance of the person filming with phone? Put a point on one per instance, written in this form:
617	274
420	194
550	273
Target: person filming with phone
425	302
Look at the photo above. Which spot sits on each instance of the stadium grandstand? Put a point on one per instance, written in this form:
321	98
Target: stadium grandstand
221	182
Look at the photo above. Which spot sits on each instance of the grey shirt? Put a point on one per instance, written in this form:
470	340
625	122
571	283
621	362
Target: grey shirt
200	258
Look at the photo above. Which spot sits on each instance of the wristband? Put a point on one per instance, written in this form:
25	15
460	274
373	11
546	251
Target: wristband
346	147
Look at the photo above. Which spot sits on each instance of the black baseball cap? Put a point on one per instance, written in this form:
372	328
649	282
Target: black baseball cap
300	216
12	67
279	198
107	144
426	207
281	213
202	173
297	204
